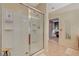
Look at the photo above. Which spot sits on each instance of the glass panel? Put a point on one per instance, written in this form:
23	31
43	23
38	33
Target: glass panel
36	32
15	32
21	35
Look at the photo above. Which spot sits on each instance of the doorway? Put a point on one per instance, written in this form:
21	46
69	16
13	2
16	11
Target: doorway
54	29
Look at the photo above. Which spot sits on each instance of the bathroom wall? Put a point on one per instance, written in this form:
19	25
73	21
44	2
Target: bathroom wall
68	16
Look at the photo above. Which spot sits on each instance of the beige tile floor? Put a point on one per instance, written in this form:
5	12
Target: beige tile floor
55	50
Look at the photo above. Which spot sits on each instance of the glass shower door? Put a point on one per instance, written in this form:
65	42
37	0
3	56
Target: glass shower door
20	46
36	32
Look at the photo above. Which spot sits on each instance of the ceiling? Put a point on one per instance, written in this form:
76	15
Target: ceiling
56	6
51	6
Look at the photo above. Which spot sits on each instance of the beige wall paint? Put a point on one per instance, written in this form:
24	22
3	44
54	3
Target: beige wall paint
71	16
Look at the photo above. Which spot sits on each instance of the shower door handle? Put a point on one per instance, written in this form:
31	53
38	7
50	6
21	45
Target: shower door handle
26	52
29	39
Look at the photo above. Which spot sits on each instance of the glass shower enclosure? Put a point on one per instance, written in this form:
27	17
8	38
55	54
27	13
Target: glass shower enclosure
22	30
